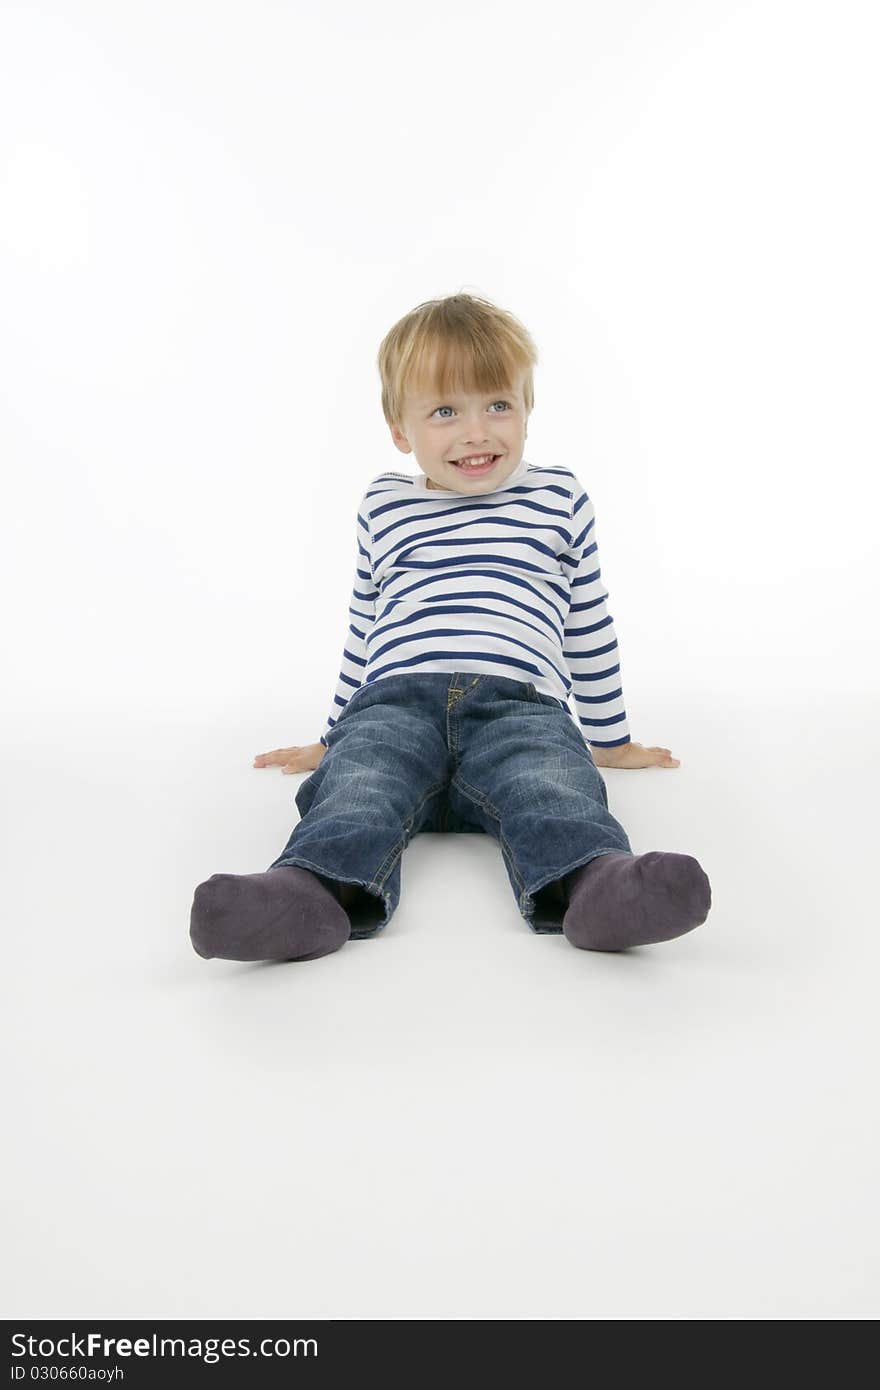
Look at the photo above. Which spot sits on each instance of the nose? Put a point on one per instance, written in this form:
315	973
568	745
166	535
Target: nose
476	433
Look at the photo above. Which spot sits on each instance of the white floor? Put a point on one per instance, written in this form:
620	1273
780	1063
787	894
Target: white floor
457	1119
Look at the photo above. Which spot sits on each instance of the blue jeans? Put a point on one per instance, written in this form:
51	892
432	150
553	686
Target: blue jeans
461	753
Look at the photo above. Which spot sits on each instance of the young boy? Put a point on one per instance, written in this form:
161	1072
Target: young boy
478	608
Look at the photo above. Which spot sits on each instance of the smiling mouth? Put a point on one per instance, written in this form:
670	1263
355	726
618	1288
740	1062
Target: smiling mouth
487	463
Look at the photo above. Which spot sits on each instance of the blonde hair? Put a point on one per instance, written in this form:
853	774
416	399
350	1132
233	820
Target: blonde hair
455	343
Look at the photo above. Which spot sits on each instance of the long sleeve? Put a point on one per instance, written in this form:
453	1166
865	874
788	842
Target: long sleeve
590	644
362	612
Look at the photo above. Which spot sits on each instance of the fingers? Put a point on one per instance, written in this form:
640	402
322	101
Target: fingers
665	758
277	755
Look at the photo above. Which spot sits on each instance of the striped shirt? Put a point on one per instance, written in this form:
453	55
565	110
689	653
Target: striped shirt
505	582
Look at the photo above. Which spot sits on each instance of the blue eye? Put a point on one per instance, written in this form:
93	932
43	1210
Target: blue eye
449	407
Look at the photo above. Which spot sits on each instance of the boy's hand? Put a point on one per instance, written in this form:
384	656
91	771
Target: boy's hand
633	755
303	758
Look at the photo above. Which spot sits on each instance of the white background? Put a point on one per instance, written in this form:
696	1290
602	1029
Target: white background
211	214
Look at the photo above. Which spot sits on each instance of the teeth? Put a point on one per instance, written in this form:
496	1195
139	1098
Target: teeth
475	462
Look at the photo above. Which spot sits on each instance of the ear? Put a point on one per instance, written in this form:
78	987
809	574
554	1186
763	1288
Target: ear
400	440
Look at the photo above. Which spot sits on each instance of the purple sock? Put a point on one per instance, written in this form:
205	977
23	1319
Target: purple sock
285	913
620	899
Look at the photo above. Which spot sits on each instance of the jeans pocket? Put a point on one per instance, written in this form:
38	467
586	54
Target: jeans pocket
538	698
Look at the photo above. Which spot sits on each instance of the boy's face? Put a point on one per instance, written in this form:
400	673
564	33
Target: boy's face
440	429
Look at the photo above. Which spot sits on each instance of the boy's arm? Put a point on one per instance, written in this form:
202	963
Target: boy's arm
362	612
590	644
